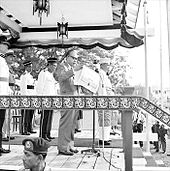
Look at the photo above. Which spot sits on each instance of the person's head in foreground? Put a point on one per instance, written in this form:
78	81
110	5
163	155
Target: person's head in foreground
35	152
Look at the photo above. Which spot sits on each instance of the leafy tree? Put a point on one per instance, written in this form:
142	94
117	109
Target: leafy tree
119	65
39	56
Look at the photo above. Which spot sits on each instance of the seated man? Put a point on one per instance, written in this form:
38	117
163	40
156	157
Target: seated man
35	152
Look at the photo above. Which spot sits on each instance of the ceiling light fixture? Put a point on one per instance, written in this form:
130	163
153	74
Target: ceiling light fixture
41	6
62	29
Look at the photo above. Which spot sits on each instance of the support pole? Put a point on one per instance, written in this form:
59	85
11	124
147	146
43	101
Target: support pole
127	138
160	50
9	128
168	30
146	75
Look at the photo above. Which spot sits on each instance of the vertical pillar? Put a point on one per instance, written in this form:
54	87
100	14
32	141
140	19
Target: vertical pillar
127	138
122	128
168	29
168	143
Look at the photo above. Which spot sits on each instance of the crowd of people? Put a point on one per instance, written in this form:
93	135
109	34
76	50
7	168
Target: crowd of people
138	127
61	74
55	73
161	131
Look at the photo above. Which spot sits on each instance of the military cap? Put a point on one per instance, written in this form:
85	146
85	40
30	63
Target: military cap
52	60
36	145
3	40
5	43
10	52
26	63
104	61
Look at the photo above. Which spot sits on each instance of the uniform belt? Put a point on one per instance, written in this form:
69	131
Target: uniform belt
4	79
30	87
11	84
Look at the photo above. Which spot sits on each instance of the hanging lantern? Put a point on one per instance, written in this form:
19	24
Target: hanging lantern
41	6
62	29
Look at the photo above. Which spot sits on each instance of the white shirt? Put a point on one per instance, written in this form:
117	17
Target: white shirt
4	77
46	84
25	81
105	86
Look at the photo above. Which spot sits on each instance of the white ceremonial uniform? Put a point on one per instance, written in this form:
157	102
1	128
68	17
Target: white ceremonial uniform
4	89
27	88
27	81
46	86
105	89
4	77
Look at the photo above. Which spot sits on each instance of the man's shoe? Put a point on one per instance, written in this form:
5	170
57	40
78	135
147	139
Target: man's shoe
11	138
112	133
2	150
51	138
5	139
25	133
47	139
74	151
32	132
105	142
77	130
68	153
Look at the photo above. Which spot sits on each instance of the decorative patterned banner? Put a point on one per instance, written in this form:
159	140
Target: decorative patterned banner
85	102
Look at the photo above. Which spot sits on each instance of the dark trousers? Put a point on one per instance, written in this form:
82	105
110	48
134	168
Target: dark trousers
2	119
163	144
156	144
27	116
46	123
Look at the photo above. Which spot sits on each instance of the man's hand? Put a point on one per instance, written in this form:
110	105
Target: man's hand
78	67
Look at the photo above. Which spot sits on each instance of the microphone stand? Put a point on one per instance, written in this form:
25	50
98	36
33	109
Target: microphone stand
92	150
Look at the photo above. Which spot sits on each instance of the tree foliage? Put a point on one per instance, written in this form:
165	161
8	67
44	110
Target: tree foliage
38	56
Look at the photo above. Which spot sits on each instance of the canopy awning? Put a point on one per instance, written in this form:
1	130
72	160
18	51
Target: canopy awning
90	22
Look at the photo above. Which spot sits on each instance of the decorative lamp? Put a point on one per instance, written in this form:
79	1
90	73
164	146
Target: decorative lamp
41	6
62	29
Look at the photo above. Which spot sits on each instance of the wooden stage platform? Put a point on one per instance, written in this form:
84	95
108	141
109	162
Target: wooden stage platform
109	159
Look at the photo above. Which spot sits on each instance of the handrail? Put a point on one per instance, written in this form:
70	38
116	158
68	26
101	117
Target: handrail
86	103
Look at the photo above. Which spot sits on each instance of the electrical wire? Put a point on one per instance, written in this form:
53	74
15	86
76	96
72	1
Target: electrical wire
119	169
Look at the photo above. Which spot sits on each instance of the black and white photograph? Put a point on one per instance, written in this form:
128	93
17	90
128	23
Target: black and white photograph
85	85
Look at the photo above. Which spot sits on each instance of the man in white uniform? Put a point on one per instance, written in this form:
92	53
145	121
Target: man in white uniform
4	86
46	85
27	88
6	129
105	89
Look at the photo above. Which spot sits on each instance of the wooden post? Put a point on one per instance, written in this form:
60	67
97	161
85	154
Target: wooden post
127	138
126	125
168	143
